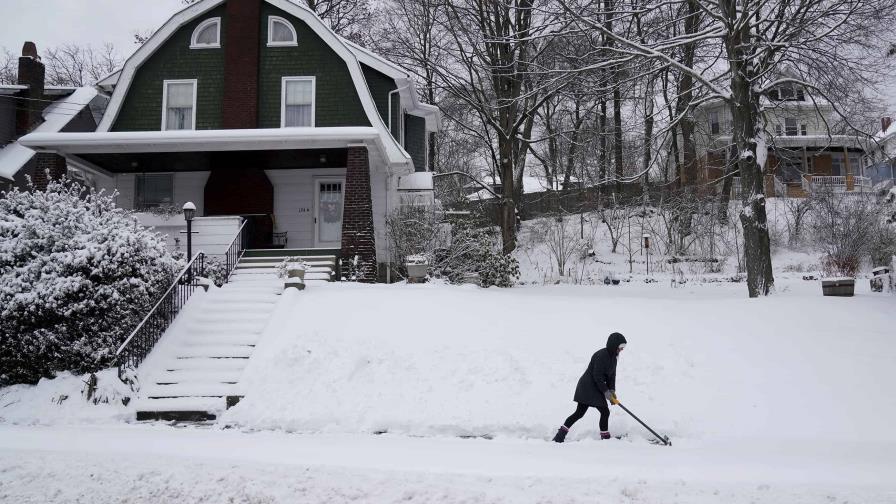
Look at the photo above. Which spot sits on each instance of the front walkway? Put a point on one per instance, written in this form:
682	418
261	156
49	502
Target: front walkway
156	463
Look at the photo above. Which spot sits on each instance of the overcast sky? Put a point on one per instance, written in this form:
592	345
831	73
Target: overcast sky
50	23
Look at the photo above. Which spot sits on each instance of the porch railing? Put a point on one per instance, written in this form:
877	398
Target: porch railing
861	184
141	341
237	247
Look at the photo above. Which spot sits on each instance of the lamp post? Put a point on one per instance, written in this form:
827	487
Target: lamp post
189	213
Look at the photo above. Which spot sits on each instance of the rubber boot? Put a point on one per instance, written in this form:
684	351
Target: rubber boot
605	435
561	434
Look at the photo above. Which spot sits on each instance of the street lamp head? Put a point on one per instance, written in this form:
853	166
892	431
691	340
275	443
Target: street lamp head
189	210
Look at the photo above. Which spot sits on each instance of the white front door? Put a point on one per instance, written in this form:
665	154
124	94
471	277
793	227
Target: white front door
328	200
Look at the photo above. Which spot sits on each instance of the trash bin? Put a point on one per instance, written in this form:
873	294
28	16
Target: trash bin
879	278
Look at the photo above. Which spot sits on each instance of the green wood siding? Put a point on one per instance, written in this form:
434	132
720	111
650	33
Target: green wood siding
380	86
336	100
415	140
142	107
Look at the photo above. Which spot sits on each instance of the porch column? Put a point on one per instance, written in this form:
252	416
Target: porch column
358	238
848	176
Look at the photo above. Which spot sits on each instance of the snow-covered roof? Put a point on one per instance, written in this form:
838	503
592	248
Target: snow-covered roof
419	181
8	89
56	116
531	185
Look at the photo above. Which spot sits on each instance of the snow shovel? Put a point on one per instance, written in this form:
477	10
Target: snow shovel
663	439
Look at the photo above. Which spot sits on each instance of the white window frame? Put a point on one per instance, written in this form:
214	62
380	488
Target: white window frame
165	84
283	82
202	26
278	19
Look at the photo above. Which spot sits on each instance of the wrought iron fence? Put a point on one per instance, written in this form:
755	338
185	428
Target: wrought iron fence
141	341
239	245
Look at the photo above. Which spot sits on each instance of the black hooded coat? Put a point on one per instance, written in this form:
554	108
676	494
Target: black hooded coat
601	373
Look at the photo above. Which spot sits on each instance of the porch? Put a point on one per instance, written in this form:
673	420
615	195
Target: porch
808	183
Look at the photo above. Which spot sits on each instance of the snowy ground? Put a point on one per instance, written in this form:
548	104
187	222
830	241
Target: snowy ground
784	399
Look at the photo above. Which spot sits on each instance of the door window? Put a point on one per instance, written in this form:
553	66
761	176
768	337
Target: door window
329	221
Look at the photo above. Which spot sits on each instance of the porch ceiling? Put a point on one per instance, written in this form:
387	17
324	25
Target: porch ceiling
146	162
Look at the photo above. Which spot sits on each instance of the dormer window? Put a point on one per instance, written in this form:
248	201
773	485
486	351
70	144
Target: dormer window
207	35
281	33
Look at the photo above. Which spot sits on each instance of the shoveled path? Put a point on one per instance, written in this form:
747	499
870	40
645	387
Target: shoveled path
158	463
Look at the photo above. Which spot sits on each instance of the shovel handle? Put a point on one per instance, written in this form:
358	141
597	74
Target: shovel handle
664	439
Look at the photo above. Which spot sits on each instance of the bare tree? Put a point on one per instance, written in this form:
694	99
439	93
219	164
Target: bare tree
74	65
824	43
8	67
495	69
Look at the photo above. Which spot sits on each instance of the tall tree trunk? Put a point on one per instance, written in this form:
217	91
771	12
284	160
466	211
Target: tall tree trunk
602	142
747	125
617	136
648	141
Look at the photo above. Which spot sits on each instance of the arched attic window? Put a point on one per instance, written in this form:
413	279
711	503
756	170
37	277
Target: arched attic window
207	35
281	33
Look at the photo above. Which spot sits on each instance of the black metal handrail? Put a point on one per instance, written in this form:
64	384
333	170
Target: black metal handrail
236	249
141	341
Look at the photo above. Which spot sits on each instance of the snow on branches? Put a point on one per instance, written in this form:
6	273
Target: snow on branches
76	275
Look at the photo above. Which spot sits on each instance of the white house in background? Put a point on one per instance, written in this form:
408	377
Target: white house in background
257	109
880	159
802	153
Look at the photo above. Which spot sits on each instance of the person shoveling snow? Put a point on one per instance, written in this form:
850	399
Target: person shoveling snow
596	387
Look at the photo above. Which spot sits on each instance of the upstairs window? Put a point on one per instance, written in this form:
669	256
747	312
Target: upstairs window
715	127
179	105
790	127
281	33
153	190
207	35
297	102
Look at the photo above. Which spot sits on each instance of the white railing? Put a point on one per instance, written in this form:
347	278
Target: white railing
861	184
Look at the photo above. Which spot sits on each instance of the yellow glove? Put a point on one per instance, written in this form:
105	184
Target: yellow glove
611	396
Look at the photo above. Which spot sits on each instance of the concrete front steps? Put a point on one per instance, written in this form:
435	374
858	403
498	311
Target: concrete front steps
195	371
193	374
323	263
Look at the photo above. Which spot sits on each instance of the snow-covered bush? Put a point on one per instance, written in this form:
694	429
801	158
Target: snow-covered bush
414	231
843	226
76	276
291	263
215	270
476	250
563	240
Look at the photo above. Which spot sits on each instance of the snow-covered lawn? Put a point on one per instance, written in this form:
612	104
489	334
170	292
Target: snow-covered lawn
783	399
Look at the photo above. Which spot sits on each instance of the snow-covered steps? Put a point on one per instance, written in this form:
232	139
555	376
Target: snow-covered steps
194	371
323	263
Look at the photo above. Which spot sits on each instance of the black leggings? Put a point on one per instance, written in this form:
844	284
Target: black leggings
580	412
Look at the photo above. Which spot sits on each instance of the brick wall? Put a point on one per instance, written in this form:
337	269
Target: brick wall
47	165
241	64
358	237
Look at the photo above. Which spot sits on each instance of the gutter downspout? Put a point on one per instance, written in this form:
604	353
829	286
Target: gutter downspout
396	90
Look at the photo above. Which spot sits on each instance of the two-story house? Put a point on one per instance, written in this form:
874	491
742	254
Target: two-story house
879	163
256	108
802	152
30	105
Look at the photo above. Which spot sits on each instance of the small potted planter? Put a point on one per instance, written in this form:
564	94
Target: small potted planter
418	268
879	278
842	286
293	270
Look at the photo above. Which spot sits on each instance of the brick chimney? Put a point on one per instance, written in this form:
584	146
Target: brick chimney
885	123
31	74
242	27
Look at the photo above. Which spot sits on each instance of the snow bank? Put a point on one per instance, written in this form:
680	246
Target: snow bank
700	363
62	400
